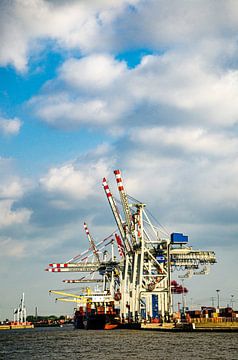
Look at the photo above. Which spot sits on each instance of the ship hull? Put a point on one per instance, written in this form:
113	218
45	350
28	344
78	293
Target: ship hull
96	322
103	322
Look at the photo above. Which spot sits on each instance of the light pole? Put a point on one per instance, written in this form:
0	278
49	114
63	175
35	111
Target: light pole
218	303
183	298
232	301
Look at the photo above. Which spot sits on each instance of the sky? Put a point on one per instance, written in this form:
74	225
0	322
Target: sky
86	87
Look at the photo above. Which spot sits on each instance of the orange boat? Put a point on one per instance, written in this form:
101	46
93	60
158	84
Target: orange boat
111	326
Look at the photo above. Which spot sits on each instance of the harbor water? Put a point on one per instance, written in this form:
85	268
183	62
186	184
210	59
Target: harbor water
67	343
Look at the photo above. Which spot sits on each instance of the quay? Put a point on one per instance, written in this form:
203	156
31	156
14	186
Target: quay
16	326
219	325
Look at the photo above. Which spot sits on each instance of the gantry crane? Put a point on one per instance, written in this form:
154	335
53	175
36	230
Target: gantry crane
146	260
149	258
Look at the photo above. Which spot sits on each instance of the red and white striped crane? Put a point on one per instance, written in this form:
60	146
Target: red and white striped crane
117	216
92	243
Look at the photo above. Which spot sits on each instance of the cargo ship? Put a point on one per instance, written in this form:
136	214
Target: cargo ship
96	316
101	316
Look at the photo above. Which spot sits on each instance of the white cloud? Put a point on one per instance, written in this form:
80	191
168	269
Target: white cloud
74	182
109	95
10	126
11	217
93	73
186	82
93	95
60	111
196	76
188	178
12	186
71	24
169	22
103	25
11	190
190	140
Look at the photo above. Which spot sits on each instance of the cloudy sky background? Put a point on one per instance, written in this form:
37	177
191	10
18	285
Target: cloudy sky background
150	87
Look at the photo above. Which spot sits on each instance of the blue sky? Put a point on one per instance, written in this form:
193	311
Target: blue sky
87	87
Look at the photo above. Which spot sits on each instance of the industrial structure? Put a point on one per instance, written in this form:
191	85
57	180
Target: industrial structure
20	313
135	278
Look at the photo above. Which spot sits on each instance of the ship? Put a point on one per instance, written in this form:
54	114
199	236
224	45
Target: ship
101	316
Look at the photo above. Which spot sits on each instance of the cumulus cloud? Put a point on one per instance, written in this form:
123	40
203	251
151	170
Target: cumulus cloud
192	72
71	24
189	141
187	179
185	86
76	181
106	26
178	105
10	126
92	95
92	73
188	83
12	188
61	111
65	197
10	217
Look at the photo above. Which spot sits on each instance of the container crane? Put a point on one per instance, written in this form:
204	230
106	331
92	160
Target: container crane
147	259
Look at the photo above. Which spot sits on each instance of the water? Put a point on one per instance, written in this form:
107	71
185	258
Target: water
67	343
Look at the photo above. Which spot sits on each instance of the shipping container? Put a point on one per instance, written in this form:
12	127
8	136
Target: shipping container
178	238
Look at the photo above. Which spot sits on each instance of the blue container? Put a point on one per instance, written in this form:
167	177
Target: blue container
155	306
160	258
179	238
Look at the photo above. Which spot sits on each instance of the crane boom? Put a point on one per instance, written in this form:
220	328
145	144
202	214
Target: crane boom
57	292
92	243
125	205
74	300
116	215
120	246
83	281
123	197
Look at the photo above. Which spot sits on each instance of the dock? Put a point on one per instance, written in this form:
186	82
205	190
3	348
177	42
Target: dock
16	326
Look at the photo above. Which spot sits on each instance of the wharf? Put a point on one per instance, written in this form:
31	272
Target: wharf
16	326
158	326
225	326
217	326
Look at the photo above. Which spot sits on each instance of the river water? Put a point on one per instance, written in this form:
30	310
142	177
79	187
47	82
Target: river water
67	343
